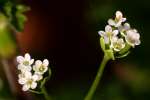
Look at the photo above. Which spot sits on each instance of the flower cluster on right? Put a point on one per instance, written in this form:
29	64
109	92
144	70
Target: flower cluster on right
118	34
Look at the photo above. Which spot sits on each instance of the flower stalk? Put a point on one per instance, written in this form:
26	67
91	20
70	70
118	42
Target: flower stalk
116	42
44	92
97	78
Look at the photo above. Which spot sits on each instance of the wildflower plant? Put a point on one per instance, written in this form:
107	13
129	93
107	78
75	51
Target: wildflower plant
116	42
32	76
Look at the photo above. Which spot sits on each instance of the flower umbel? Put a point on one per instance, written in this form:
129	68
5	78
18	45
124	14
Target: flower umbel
31	75
115	42
119	36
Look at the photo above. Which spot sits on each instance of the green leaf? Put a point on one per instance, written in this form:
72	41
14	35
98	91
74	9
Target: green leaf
15	14
8	10
7	42
22	8
20	17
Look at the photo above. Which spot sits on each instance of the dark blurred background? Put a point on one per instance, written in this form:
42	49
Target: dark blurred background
65	32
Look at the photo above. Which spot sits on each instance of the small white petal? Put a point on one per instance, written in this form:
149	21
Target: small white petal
22	80
108	28
45	62
20	59
123	19
111	22
39	76
35	77
119	14
31	61
34	68
38	72
115	32
33	85
38	62
138	42
138	36
134	30
27	57
24	69
20	66
25	87
28	68
114	39
126	26
106	39
28	74
101	33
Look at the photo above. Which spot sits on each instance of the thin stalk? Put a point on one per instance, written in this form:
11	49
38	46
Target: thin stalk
47	97
37	92
97	78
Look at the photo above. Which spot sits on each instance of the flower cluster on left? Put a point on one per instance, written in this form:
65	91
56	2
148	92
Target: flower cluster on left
30	72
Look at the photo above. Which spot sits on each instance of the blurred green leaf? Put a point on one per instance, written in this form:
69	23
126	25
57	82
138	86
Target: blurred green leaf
15	14
20	17
7	43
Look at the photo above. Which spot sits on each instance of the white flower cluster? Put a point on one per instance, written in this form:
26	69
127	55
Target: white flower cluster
118	33
30	73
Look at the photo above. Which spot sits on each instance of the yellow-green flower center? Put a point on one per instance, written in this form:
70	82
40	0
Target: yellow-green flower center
26	63
42	68
30	81
117	45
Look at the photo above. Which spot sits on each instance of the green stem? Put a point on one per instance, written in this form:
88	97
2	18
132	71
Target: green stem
97	78
37	92
47	97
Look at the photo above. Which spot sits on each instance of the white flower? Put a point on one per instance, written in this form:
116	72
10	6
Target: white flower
25	62
41	67
117	44
118	20
132	37
39	76
108	34
23	68
27	80
124	27
30	74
